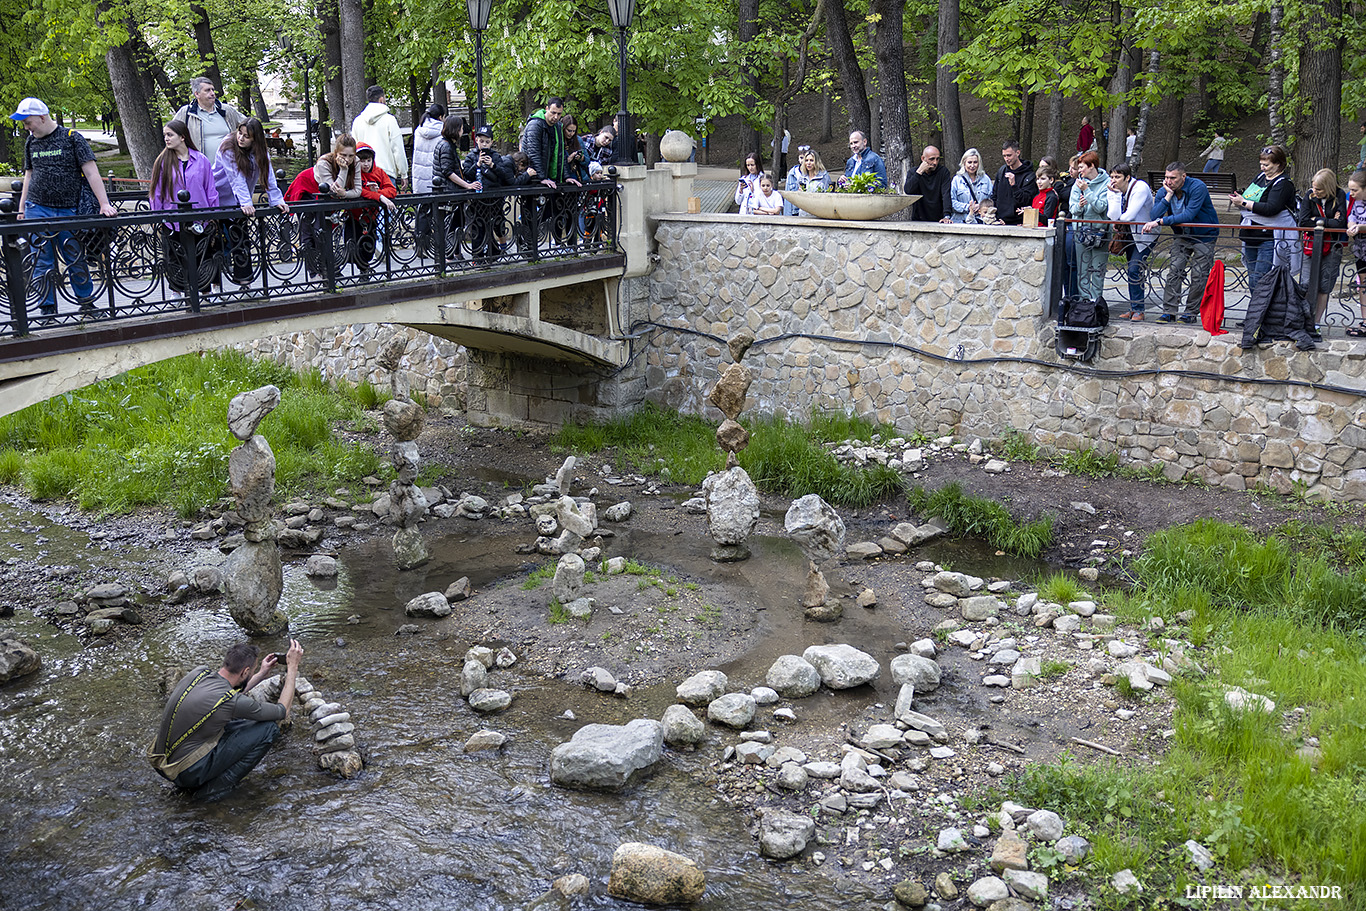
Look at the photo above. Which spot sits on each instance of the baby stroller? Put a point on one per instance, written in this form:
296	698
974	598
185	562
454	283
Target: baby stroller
1080	324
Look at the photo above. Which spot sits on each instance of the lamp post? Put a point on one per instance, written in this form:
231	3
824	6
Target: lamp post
479	20
622	12
288	44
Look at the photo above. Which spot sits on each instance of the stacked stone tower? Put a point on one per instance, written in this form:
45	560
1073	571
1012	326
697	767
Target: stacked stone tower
253	577
732	498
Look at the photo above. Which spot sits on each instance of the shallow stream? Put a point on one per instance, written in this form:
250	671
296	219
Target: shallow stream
85	823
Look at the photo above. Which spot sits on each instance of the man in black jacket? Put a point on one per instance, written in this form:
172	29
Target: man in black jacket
488	220
930	180
1015	184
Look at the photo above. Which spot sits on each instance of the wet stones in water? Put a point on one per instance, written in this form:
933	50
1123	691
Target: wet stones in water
618	512
321	566
957	584
653	876
431	604
247	410
459	590
841	666
410	550
702	688
334	734
17	659
485	740
254	580
732	513
489	700
607	756
683	729
784	834
474	676
734	710
793	677
816	528
600	679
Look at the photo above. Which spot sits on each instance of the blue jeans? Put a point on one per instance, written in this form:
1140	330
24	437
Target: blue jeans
243	744
47	247
1259	259
1212	165
1135	271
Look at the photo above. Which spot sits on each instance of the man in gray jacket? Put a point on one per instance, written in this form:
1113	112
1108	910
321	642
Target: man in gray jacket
209	120
212	734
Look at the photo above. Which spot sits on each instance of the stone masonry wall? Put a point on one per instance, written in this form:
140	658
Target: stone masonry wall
435	367
837	312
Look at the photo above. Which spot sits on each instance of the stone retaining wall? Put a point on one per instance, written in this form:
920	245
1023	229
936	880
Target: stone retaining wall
435	368
960	297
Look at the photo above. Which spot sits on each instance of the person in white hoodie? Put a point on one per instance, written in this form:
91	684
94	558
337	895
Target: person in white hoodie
1132	201
376	127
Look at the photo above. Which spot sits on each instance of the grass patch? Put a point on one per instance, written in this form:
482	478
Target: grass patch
1052	668
558	614
1278	621
783	458
1060	588
1087	461
158	436
539	576
1016	446
980	517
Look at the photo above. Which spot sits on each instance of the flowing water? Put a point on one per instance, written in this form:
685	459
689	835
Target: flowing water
85	823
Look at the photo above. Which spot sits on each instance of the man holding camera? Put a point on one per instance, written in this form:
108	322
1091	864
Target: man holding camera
212	734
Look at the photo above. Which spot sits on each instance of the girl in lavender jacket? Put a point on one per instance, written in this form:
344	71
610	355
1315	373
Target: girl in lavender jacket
181	166
241	168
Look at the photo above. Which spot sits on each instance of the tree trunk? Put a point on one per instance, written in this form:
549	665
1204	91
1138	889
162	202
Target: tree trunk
749	73
258	101
1120	84
439	94
891	75
846	62
827	116
1275	90
203	39
1027	126
1318	142
870	78
324	123
945	88
143	139
334	112
351	18
1145	109
1055	128
1175	110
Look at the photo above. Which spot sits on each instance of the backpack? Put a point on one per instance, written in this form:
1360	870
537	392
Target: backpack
1080	312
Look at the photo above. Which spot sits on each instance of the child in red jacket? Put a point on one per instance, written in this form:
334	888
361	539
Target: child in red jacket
365	229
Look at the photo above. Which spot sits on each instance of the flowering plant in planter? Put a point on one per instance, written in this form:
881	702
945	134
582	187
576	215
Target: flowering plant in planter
866	182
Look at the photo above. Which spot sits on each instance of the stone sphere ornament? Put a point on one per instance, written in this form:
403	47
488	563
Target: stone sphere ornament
676	146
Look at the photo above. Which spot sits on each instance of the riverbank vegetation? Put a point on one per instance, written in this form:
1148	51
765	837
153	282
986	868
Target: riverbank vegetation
1276	795
158	436
984	518
783	458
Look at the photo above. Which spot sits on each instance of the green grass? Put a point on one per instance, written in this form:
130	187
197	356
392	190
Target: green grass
1053	668
1087	461
1060	588
558	614
158	436
539	576
1018	447
782	458
1279	622
980	517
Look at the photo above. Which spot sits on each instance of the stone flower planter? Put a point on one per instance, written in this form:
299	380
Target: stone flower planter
848	206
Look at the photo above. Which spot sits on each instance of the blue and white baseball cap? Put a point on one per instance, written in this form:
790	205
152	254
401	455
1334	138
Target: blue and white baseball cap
29	107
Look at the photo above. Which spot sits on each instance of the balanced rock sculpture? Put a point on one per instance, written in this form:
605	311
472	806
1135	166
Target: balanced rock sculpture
819	532
404	419
253	576
732	498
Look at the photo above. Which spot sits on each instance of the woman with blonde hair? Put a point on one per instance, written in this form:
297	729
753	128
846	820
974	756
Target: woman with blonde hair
970	188
1325	202
808	175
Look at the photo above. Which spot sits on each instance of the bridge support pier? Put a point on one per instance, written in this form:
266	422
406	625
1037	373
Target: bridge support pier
515	390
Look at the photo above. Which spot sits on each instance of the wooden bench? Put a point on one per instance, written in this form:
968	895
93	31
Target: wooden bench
1220	182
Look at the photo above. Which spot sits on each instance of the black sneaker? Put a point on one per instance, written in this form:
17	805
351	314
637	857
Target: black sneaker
1187	319
1166	318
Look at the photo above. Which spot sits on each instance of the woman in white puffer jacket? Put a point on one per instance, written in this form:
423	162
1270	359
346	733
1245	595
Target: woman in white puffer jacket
425	138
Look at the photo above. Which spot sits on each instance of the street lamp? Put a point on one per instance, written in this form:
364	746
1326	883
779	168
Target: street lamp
622	12
479	20
288	44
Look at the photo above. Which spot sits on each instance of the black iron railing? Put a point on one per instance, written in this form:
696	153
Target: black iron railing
65	271
1171	262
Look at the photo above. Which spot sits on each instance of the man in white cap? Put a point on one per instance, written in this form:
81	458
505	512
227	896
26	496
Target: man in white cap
55	163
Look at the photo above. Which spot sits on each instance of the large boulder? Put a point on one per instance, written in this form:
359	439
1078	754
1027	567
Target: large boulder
16	659
784	834
251	479
682	728
254	581
842	666
732	506
734	710
701	688
432	604
816	527
607	755
922	673
653	876
568	581
793	677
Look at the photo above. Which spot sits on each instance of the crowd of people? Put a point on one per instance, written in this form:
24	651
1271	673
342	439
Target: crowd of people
221	157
